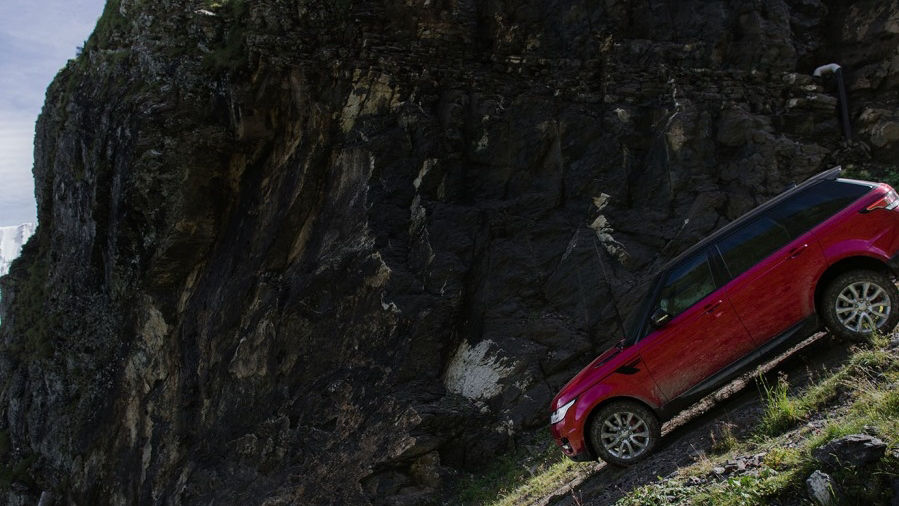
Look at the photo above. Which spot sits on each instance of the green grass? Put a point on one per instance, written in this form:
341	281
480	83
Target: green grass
783	411
519	476
780	459
736	490
723	439
746	489
110	23
29	309
863	399
659	494
19	471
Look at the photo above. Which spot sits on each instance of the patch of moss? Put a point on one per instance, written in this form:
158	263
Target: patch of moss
888	175
33	319
231	56
343	6
110	23
4	444
19	471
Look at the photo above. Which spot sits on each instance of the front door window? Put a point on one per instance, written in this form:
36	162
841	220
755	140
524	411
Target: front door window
686	285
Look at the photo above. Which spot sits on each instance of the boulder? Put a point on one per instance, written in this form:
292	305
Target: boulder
821	488
850	451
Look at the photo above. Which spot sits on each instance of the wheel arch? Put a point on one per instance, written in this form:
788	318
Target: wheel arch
845	265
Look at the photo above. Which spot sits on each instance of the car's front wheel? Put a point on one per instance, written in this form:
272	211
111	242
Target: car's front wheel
624	432
856	303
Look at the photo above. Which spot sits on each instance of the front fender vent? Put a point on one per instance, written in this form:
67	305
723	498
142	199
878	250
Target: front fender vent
629	369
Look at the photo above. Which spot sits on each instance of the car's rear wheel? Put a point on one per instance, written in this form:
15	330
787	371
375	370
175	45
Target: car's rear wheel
857	303
624	432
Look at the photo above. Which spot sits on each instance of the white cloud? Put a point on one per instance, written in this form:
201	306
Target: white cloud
57	25
37	37
17	189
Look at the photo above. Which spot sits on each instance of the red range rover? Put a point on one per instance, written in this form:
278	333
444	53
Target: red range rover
822	252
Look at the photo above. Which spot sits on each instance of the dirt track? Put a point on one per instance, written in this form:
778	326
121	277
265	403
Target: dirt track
688	435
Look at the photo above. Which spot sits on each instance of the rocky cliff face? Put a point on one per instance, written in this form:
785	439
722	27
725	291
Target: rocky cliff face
332	251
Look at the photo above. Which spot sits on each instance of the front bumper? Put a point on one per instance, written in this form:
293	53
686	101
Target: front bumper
584	456
575	448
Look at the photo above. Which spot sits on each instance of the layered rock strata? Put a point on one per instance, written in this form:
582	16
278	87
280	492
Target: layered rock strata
335	251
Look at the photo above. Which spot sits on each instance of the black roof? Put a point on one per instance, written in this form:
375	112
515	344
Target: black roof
828	175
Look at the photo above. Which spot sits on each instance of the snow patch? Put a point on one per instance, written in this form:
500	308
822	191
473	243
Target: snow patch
11	241
475	372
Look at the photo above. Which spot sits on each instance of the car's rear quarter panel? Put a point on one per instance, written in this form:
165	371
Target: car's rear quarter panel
851	233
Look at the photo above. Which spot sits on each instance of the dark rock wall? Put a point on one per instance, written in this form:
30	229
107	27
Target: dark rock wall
330	251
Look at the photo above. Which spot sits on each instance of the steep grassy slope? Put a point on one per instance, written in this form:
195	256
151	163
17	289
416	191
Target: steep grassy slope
756	460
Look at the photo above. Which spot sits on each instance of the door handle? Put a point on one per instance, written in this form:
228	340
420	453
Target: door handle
795	252
712	306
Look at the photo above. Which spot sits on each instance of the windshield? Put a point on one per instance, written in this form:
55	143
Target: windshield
634	306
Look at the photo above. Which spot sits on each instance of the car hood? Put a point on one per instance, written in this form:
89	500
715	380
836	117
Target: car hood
587	377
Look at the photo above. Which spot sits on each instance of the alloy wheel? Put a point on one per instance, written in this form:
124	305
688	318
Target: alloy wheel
625	435
863	306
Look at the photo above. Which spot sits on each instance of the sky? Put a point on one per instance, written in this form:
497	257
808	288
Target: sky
37	37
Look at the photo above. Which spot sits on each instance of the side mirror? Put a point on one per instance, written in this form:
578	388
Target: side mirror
660	318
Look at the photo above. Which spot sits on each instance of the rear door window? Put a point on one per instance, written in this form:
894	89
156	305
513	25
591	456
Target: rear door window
809	207
751	243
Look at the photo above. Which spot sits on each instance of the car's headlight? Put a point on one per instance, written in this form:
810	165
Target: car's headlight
559	414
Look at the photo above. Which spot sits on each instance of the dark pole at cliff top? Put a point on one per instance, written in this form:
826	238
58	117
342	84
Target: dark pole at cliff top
837	71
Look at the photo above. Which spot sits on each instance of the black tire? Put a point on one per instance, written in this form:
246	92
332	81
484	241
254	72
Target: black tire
635	422
857	302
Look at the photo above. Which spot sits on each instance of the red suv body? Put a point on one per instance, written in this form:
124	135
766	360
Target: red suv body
822	252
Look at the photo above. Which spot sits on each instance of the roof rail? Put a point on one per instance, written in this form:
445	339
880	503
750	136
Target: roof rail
827	175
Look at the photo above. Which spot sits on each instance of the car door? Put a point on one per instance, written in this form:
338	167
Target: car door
703	333
773	276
